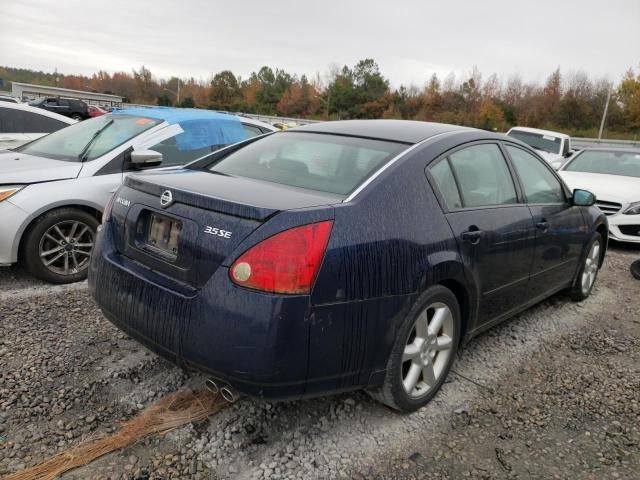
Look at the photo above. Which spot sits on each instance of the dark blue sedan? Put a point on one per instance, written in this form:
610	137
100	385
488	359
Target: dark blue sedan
341	255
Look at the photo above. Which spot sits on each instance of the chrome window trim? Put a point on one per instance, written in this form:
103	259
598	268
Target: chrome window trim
379	172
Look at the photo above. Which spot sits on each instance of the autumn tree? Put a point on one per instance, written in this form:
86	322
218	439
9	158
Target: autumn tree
225	92
572	102
629	98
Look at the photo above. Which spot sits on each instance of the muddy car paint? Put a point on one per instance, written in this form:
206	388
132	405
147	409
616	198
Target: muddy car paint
389	243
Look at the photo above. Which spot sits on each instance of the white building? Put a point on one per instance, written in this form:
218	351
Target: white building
27	91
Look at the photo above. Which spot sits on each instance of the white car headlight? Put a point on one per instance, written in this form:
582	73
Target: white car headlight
634	209
7	190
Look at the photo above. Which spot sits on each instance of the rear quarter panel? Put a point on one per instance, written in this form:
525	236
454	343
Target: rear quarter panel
387	245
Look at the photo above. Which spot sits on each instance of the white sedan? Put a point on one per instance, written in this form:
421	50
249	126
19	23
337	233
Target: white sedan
21	123
613	175
53	190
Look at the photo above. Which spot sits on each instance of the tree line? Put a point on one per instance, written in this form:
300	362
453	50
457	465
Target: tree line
570	102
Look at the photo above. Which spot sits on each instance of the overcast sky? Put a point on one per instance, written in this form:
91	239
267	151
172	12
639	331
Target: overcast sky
410	39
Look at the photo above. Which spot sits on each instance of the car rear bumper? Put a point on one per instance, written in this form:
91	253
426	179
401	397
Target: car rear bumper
258	343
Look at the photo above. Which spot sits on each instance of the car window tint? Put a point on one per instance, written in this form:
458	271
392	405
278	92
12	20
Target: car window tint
612	162
483	176
178	150
251	131
323	162
539	141
443	176
19	121
173	155
539	184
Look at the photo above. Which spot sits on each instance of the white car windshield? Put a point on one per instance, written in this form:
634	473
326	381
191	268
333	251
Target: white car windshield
546	143
89	139
607	162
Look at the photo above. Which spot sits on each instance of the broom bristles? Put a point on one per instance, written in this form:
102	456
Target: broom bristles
164	415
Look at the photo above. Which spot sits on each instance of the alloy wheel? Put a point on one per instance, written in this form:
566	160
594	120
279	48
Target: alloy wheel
65	248
427	350
590	270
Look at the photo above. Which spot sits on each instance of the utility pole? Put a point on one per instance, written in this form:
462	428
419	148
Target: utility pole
178	95
604	114
328	102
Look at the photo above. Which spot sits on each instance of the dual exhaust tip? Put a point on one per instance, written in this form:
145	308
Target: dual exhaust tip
227	391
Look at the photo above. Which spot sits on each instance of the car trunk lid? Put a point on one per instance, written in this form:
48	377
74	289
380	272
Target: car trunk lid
207	217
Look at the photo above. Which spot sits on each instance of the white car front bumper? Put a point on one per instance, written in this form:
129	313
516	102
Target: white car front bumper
624	228
12	219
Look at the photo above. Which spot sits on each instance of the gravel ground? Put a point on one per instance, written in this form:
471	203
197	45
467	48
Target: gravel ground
554	392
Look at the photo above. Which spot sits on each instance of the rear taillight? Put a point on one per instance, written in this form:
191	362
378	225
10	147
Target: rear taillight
106	214
288	262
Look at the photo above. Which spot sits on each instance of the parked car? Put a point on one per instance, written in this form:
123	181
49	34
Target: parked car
9	98
341	255
21	123
69	107
554	147
613	175
635	269
96	111
53	190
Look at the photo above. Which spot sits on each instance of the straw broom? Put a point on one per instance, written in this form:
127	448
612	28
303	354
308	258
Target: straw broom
162	416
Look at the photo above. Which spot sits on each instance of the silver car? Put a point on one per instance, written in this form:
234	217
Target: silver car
54	189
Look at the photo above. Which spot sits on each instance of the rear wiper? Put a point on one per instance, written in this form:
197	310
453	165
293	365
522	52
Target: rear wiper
82	156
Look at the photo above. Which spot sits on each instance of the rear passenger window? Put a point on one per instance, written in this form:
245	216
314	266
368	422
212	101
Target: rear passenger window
443	176
483	176
539	184
18	121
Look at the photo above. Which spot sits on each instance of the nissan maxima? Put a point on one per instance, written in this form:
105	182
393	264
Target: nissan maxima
341	255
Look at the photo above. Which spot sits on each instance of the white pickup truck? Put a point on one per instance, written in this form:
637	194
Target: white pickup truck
554	147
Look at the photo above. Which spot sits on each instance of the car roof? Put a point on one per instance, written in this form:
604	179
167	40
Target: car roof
404	131
40	111
539	131
176	115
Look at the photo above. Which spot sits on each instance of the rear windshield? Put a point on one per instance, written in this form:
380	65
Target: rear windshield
546	143
326	163
611	163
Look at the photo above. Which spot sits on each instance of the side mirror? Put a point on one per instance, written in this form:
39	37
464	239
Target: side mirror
145	158
583	198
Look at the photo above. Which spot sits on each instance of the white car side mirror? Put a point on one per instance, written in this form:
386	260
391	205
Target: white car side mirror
146	158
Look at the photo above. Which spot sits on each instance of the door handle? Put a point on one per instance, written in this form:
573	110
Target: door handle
542	225
472	236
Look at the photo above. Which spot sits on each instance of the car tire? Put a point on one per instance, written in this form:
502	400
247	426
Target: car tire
588	271
76	116
635	269
63	238
418	364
